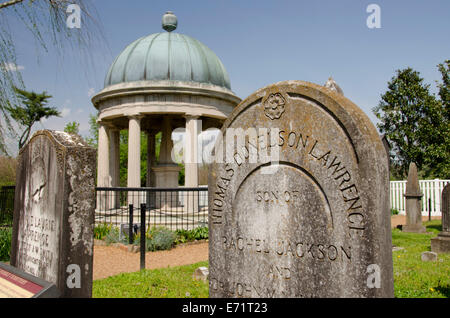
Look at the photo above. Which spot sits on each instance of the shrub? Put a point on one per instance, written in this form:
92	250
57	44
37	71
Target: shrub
5	243
159	238
6	205
101	231
8	168
199	233
184	236
394	212
113	236
6	217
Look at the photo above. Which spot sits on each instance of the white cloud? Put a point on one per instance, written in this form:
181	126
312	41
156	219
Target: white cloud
65	112
12	67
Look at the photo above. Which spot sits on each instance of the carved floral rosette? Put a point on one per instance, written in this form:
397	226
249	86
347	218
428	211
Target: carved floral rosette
274	106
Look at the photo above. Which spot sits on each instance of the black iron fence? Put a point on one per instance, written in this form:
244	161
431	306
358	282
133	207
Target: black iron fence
6	205
172	208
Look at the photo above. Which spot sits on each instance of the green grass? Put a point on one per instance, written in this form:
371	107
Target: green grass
172	282
414	278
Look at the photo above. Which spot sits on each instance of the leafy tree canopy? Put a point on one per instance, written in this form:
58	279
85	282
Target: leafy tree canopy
72	128
32	109
416	124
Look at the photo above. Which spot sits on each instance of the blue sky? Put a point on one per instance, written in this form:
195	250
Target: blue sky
259	42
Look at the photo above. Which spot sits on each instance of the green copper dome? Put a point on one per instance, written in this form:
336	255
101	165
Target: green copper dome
168	56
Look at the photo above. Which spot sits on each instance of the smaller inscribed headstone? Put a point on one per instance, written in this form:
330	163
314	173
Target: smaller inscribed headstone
54	211
201	273
299	199
441	243
428	256
413	197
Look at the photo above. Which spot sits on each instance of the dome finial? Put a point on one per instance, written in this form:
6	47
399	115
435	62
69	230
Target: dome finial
331	84
169	21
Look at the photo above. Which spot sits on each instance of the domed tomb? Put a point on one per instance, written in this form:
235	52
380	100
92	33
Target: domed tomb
168	56
158	83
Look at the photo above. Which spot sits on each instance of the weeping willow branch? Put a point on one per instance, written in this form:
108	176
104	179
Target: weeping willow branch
46	21
9	3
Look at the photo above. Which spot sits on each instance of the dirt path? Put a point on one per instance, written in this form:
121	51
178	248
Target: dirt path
401	219
110	260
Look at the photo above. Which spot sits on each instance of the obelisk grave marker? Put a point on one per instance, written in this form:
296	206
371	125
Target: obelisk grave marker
54	211
298	199
413	197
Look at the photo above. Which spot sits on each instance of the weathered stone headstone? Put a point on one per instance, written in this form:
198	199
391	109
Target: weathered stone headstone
201	273
309	217
413	205
428	256
54	211
441	243
387	147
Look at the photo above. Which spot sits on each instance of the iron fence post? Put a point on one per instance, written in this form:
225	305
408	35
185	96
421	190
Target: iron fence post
130	226
429	209
143	208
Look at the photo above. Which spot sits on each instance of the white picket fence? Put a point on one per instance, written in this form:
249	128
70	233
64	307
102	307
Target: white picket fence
431	189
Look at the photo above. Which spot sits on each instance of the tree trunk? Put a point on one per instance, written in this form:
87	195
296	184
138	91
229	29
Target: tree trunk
24	137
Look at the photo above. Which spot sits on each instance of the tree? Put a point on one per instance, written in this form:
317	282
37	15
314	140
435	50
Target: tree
437	159
444	87
72	128
47	21
409	115
32	111
92	139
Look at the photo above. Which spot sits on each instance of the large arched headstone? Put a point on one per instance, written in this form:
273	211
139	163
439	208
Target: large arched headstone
299	205
54	210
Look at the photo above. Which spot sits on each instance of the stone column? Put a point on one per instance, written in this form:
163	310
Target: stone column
191	160
413	207
103	178
134	158
193	129
103	170
441	243
114	165
134	152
